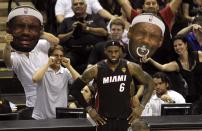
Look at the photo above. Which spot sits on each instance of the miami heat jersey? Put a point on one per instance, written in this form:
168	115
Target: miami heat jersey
113	100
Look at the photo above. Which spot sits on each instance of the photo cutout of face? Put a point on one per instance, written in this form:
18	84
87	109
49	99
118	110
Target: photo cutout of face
145	35
25	24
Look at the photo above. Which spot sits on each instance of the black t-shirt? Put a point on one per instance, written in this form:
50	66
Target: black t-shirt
82	38
193	76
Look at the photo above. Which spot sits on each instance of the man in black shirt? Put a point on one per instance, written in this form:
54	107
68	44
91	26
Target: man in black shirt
79	33
113	78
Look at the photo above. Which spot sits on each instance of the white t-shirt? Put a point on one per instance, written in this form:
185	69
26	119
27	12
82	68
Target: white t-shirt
153	107
51	93
25	66
64	7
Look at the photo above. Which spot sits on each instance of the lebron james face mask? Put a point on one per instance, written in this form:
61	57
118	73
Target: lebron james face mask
146	35
25	25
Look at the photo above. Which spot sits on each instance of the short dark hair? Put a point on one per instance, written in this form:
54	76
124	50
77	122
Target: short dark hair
180	37
164	78
55	47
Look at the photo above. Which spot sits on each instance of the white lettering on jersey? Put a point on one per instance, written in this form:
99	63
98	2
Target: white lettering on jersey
112	79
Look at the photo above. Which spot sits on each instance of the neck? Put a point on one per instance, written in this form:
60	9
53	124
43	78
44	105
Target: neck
112	66
184	56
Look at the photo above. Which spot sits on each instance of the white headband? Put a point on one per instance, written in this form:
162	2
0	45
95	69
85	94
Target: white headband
149	18
25	10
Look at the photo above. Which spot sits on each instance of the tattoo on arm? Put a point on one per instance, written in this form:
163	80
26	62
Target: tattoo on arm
89	74
145	79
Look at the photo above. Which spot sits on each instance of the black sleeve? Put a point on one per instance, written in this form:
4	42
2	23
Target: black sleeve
65	26
75	91
99	22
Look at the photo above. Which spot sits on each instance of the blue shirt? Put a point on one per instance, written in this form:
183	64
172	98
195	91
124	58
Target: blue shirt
191	39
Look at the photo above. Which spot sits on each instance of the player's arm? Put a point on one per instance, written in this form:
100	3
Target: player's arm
88	75
137	96
145	79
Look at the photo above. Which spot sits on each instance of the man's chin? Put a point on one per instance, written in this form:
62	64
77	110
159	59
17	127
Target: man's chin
114	61
23	48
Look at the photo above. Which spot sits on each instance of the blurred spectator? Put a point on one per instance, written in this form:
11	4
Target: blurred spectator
63	9
138	4
78	34
191	9
163	94
188	64
139	125
194	34
52	84
117	27
47	8
111	6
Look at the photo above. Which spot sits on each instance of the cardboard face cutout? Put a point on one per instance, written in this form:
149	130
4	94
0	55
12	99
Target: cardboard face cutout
25	24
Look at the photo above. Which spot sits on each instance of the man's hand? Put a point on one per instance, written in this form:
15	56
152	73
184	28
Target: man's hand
51	60
196	27
135	101
167	98
66	62
96	117
136	113
82	24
